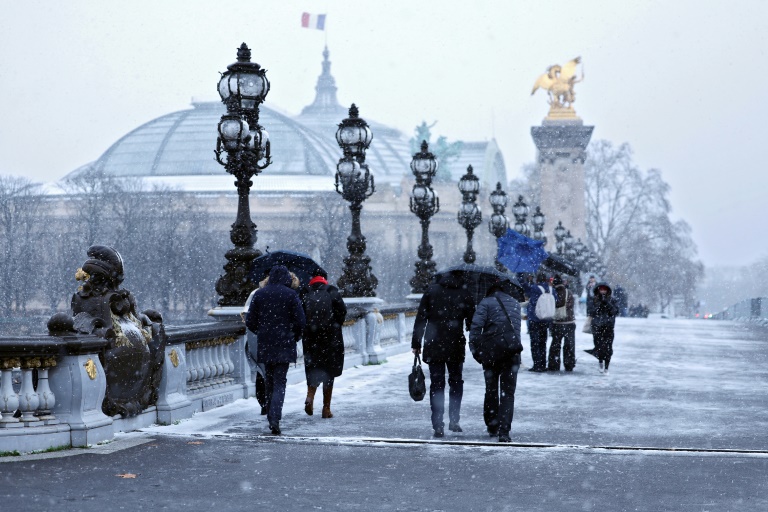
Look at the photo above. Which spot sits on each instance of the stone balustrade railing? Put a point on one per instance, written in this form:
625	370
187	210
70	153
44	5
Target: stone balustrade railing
749	310
52	387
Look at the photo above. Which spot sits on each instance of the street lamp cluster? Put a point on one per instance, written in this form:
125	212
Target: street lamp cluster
243	148
469	215
424	203
356	181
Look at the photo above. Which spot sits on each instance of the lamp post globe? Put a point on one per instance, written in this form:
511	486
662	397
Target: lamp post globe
243	149
354	182
424	204
469	215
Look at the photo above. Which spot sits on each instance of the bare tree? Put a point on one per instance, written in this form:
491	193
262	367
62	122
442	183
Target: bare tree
20	205
630	228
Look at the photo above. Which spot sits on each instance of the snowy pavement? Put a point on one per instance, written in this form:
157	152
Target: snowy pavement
690	394
672	384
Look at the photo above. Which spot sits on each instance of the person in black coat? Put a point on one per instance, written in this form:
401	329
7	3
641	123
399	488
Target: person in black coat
277	319
323	342
603	311
445	309
496	323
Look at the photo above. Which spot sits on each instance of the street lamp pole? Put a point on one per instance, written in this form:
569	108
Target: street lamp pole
538	226
469	215
520	211
356	181
243	149
560	237
499	223
425	204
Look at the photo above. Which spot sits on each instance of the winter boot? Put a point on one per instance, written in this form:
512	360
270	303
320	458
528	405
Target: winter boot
308	403
327	392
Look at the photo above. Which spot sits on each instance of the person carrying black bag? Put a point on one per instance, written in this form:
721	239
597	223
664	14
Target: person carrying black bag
494	340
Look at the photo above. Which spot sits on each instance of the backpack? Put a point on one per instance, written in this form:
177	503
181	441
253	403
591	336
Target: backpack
545	305
318	307
562	313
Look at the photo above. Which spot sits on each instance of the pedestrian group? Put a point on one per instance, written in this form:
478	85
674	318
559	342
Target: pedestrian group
280	313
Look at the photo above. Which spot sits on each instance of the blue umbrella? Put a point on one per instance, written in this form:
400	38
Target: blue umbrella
519	253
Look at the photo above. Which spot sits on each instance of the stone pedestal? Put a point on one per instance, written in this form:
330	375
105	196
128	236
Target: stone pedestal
562	142
372	352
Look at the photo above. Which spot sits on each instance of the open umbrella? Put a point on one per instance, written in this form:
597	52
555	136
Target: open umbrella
559	264
479	278
519	253
299	263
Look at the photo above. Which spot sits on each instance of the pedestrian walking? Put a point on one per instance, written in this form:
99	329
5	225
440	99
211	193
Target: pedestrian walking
603	313
445	309
563	329
252	344
494	340
323	341
277	319
540	319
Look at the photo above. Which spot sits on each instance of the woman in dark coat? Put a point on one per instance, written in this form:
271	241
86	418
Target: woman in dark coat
444	310
603	311
323	340
496	323
277	319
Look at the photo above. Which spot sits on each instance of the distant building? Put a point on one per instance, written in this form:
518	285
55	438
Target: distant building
176	150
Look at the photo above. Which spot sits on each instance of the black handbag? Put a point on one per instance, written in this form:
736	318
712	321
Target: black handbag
417	385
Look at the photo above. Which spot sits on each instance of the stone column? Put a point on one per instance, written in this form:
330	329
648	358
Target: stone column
562	144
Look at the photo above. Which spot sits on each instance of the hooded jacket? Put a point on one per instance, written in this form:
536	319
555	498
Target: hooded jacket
490	320
277	318
444	311
602	310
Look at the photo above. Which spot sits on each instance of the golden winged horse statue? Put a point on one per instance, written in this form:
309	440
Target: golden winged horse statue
558	81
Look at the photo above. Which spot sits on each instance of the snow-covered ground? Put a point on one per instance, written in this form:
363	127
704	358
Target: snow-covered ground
673	383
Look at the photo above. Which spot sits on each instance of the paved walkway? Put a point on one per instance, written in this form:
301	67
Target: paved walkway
681	423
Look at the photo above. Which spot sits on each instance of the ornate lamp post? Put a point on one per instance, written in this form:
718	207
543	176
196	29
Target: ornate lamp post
243	149
499	223
568	241
352	173
424	203
560	237
520	211
538	226
470	215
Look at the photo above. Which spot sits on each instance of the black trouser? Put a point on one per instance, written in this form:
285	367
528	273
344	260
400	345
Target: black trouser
538	332
437	392
499	409
603	336
565	334
275	381
261	390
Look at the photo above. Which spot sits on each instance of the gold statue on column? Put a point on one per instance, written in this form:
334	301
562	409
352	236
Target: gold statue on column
558	82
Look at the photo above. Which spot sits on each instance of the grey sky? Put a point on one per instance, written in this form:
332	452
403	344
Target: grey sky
680	81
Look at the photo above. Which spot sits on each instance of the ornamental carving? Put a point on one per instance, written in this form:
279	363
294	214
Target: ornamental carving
133	359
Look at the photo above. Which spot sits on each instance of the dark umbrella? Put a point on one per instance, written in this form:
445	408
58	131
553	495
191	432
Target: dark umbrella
299	263
559	264
479	278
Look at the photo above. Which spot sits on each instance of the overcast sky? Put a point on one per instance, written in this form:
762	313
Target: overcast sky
681	81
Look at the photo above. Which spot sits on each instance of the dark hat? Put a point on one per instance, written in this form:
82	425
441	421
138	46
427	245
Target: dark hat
557	280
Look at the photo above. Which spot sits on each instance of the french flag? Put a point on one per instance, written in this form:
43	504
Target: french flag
313	21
